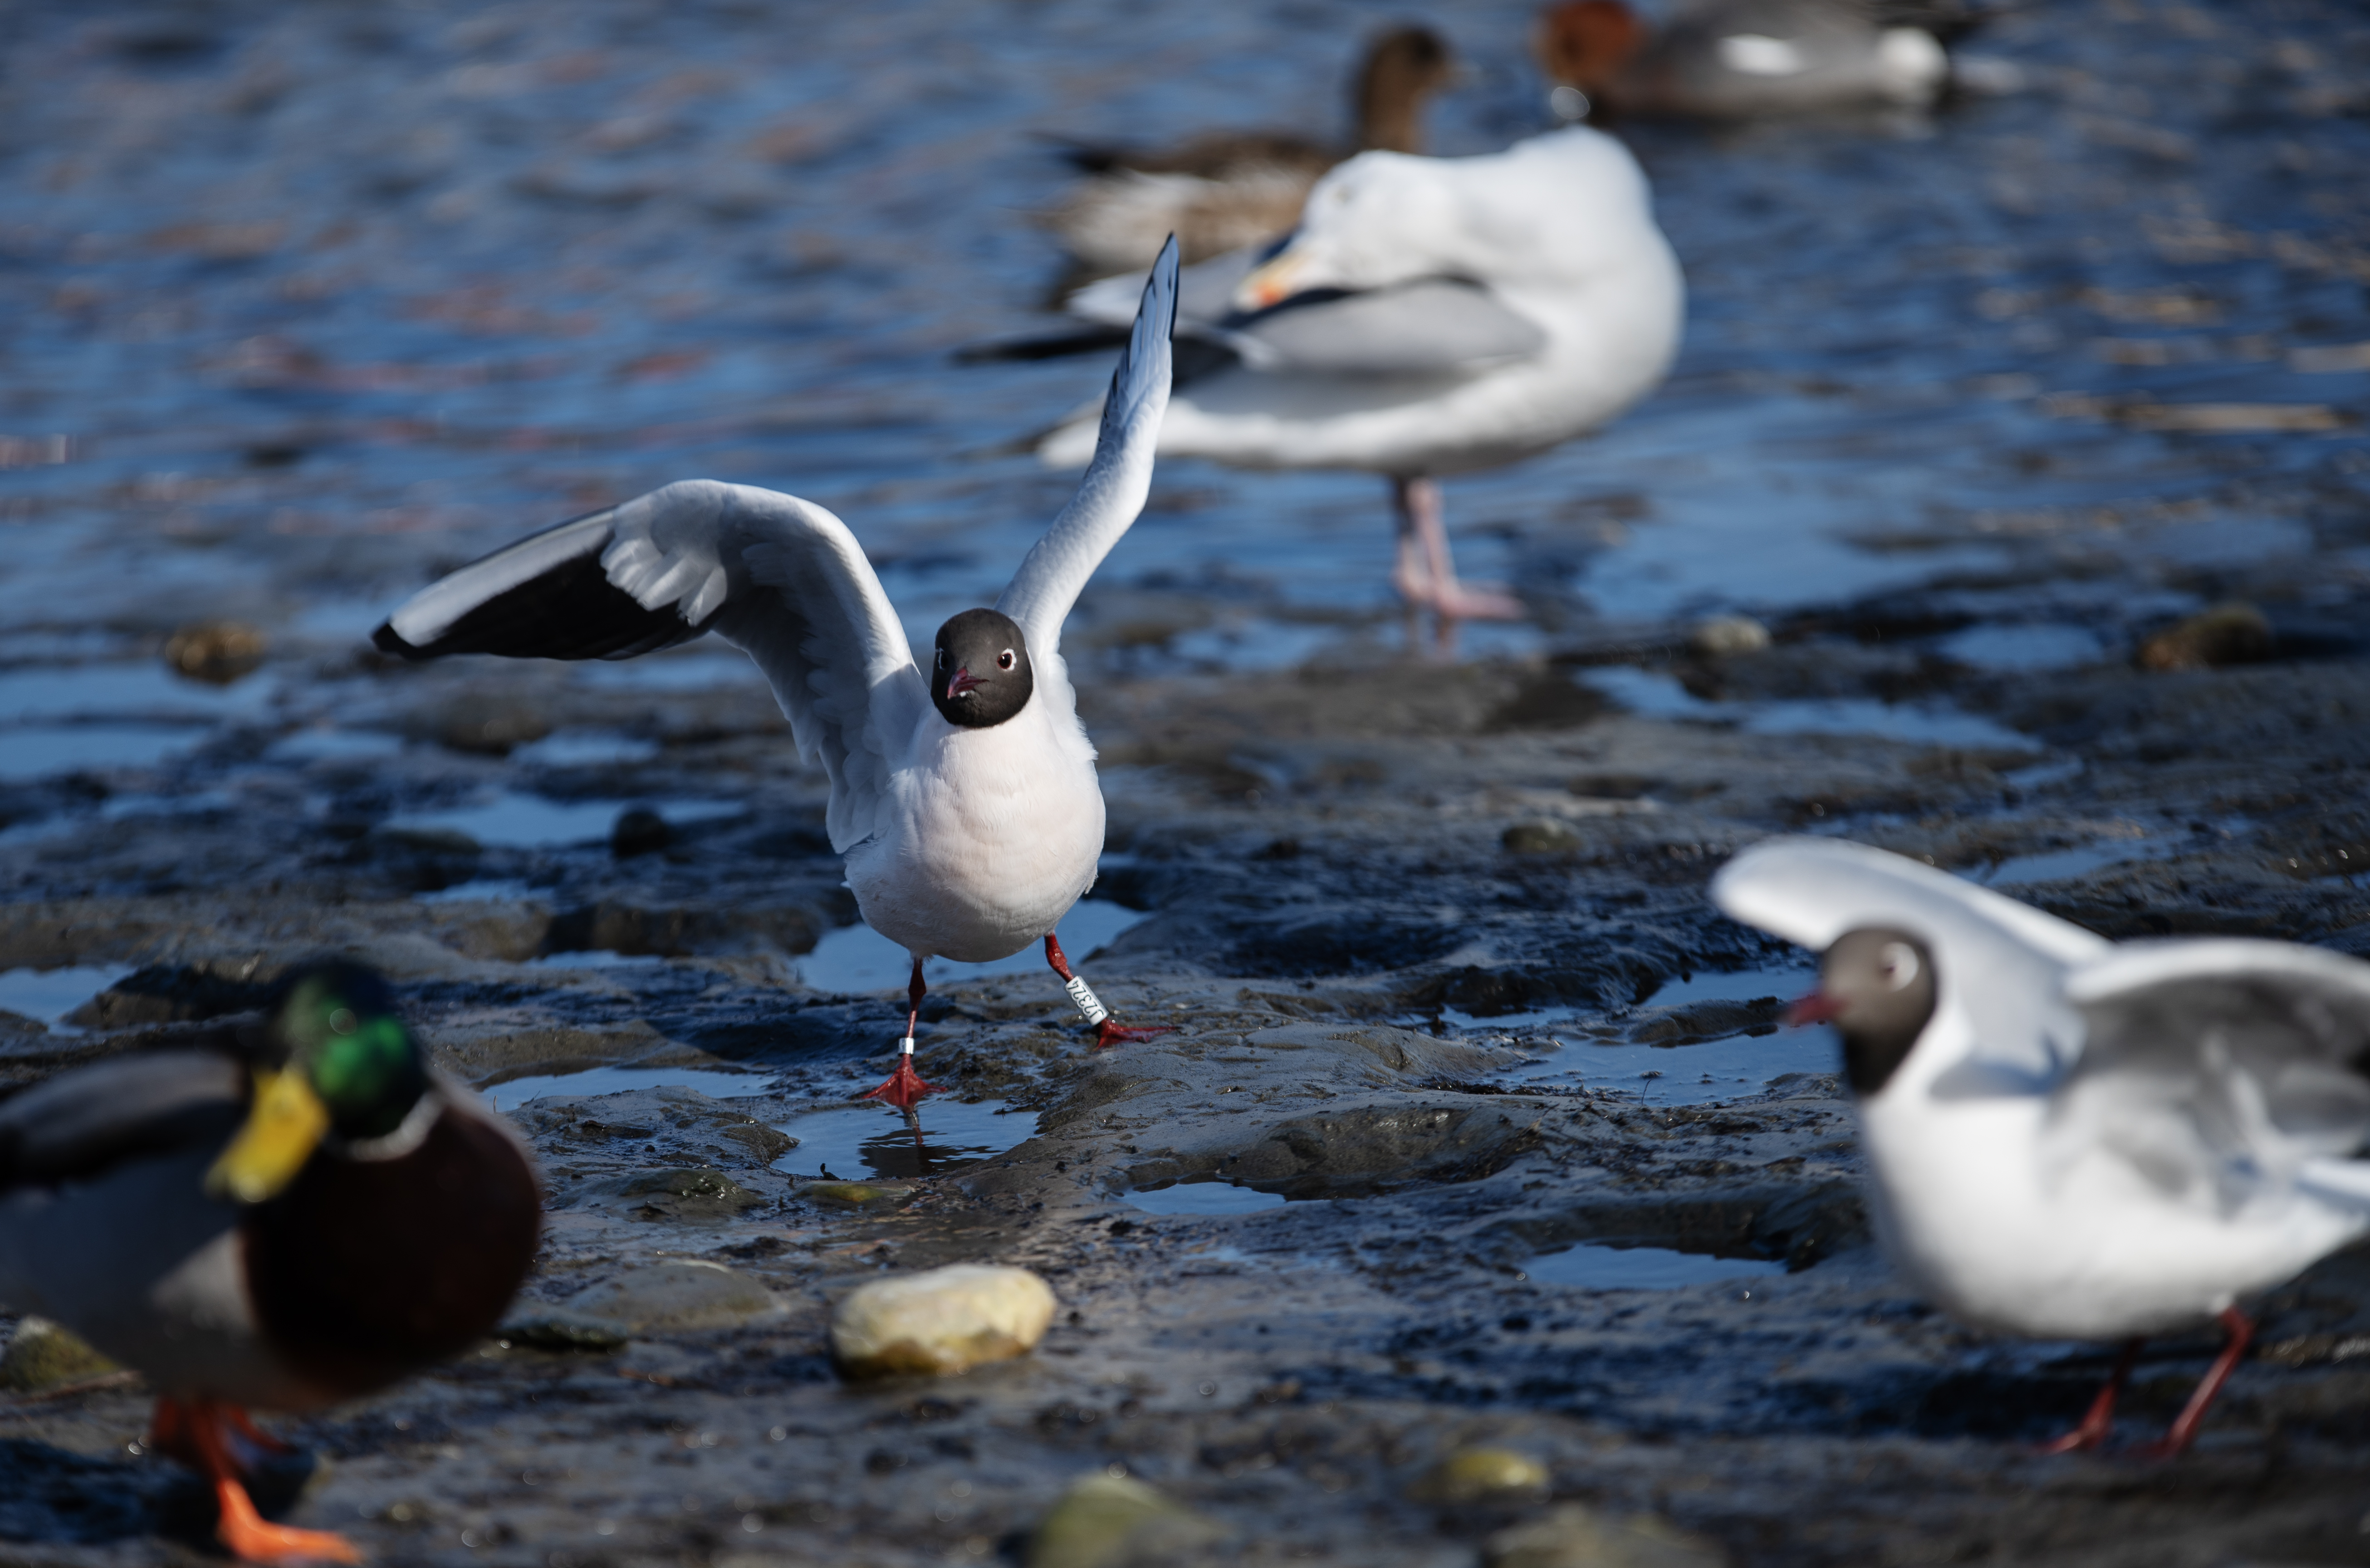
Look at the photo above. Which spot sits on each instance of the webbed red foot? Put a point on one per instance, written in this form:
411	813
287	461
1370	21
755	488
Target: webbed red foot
1110	1031
904	1088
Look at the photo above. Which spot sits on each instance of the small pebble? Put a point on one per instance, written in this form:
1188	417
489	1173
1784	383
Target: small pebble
1543	836
939	1322
1106	1521
640	831
1572	1537
2227	634
217	653
1484	1475
1724	637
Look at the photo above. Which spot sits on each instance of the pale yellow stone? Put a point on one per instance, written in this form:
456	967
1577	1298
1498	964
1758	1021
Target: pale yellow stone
1570	1536
941	1321
1109	1521
1478	1475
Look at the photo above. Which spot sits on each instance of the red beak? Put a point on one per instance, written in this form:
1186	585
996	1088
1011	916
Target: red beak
963	681
1816	1008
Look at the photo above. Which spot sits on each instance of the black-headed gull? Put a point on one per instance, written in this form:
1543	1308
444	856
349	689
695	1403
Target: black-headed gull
1225	189
1735	59
283	1216
2074	1138
1428	316
965	801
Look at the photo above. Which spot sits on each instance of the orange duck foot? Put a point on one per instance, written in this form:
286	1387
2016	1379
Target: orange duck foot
904	1088
251	1537
1110	1031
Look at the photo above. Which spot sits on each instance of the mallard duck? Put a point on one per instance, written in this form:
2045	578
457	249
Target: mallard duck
1229	189
965	799
1744	59
303	1215
1427	317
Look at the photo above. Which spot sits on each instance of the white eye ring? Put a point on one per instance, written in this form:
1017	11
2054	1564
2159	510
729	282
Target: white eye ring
1897	962
1004	660
942	658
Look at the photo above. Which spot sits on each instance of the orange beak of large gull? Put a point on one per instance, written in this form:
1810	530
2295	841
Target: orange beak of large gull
1272	281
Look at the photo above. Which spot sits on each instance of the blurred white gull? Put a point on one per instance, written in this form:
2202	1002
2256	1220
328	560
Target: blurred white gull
1428	316
1228	189
2072	1138
966	803
1744	59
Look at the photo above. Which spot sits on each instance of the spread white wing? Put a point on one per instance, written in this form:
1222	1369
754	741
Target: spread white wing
2215	1066
1117	481
778	578
2001	965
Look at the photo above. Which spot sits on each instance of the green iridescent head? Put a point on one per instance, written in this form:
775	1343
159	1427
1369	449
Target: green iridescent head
337	1021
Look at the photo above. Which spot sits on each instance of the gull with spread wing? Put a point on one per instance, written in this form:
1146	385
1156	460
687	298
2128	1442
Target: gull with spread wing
965	801
2075	1138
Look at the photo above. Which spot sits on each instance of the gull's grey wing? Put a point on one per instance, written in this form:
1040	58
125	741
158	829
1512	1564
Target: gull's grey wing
1205	291
778	578
81	1124
1436	326
2000	964
1117	481
1432	327
2211	1064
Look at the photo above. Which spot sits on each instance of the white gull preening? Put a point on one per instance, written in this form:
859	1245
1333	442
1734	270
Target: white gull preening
1428	316
965	801
2071	1137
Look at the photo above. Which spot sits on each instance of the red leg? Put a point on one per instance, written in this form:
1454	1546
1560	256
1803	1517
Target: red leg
248	1535
1108	1031
2100	1420
904	1086
2192	1415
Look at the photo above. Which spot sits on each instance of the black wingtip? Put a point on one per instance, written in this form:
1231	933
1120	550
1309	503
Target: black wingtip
1056	346
388	640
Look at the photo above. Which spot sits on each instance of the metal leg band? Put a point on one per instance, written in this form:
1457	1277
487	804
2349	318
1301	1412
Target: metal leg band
1087	1002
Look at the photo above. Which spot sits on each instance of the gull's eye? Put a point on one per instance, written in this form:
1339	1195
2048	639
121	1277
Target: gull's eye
942	658
1004	660
1898	964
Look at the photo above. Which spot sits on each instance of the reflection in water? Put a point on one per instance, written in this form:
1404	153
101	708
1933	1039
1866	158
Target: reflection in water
1202	1198
936	1137
511	820
1658	695
48	995
856	959
712	1082
1592	1267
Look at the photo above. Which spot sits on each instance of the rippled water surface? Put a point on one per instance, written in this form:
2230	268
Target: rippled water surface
302	304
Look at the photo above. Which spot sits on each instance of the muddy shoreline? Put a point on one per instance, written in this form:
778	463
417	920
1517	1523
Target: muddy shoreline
1368	987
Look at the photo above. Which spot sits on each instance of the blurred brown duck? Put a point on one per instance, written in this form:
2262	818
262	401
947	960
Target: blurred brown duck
289	1216
1745	59
1225	189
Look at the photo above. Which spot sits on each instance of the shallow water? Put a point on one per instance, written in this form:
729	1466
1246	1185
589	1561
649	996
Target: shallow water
882	1141
716	1085
1593	1267
514	820
856	959
48	995
1202	1198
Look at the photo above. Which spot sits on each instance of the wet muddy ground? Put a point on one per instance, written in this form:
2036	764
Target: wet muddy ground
1475	1128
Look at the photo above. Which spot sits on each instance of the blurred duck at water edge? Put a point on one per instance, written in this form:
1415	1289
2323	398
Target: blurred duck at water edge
1228	189
1427	317
1745	58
